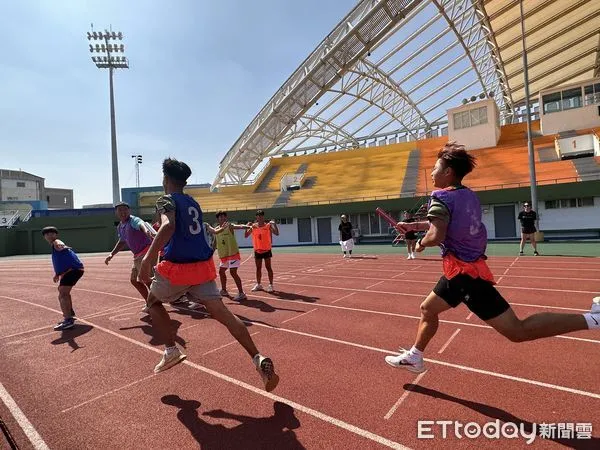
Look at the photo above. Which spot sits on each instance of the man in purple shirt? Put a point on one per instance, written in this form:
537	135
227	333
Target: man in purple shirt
454	223
136	235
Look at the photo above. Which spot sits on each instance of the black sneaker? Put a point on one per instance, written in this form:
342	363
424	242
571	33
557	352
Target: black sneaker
65	324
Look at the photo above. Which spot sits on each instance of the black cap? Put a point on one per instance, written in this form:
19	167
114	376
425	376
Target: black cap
51	229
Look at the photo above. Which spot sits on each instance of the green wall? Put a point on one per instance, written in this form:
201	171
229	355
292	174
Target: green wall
85	234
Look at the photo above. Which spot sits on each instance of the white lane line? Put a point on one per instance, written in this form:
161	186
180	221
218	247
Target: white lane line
77	362
299	315
107	393
31	433
448	341
373	285
226	345
342	298
404	396
319	415
507	269
25	332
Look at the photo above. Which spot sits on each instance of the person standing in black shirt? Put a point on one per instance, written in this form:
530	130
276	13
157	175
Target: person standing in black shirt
410	237
346	240
527	217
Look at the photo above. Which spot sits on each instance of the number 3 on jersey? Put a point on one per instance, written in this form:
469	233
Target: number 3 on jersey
195	227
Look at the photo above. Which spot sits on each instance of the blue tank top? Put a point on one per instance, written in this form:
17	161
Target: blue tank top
189	242
65	259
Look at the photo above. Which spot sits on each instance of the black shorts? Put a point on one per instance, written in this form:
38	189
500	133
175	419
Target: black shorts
263	255
71	277
410	236
480	296
528	230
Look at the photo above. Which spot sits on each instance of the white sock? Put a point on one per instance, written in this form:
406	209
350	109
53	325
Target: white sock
593	321
169	350
414	351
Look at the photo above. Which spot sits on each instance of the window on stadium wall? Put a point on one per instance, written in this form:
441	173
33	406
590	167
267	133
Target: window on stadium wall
591	94
470	118
570	203
371	223
571	98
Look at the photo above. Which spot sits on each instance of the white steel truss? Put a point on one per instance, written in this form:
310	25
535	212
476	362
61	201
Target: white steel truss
389	67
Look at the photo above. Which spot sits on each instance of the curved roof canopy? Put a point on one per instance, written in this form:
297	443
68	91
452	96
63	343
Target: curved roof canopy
394	67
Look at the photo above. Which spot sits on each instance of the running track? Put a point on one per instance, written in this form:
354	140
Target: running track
327	327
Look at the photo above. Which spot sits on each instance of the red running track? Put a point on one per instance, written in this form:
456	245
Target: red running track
328	327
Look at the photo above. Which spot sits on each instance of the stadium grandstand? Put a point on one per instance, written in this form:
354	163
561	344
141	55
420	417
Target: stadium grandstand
358	124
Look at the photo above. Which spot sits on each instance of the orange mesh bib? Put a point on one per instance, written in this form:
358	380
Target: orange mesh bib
261	238
190	274
476	269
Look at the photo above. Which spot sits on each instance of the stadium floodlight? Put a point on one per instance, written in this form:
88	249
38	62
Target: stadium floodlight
137	159
104	59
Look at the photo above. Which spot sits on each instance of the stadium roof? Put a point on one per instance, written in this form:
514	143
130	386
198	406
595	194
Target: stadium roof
390	69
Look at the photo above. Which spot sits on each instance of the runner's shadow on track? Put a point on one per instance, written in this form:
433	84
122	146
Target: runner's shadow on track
275	431
264	307
149	330
293	296
68	336
363	257
505	416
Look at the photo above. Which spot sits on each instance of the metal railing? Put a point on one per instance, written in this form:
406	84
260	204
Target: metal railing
10	222
27	216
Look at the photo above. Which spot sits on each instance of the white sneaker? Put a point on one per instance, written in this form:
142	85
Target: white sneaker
240	297
169	360
257	287
406	361
269	288
595	306
409	256
345	256
266	369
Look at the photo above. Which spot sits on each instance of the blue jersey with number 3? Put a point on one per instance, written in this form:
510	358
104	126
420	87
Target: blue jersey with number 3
189	242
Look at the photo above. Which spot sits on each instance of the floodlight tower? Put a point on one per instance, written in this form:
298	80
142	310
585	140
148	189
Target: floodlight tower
105	48
138	161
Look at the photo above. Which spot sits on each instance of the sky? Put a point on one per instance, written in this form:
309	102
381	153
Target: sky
199	73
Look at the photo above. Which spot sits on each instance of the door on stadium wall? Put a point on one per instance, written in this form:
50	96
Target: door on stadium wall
304	230
324	230
504	221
